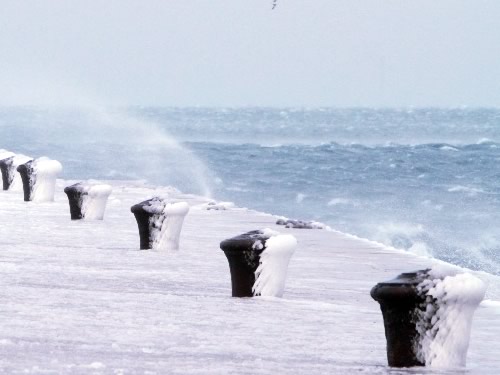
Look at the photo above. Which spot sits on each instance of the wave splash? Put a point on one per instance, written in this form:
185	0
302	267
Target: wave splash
106	144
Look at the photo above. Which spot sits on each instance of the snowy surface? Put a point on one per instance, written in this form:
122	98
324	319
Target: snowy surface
78	297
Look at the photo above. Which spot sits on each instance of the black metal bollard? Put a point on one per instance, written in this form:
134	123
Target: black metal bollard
75	195
243	254
159	223
399	300
5	166
8	171
428	316
28	177
143	216
149	219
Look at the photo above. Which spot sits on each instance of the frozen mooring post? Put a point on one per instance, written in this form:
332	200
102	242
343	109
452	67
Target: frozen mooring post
39	179
8	164
87	200
159	223
428	315
258	262
300	224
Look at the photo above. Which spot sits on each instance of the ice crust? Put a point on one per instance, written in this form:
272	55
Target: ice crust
45	172
95	199
444	322
166	223
300	224
270	275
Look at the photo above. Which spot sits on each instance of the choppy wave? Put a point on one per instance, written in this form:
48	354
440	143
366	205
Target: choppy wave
422	180
422	198
363	126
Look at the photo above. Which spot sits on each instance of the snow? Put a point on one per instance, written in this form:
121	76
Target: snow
168	237
79	298
271	273
155	205
300	224
444	326
4	154
213	205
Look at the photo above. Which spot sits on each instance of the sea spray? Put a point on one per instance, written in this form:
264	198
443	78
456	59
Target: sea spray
111	144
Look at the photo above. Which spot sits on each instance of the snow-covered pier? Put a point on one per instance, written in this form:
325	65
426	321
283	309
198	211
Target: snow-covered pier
78	297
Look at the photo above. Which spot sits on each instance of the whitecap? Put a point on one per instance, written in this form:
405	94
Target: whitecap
464	189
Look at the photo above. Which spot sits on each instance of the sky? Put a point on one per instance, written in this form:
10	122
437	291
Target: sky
231	53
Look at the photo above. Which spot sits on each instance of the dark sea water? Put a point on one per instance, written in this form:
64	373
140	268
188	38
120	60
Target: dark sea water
424	180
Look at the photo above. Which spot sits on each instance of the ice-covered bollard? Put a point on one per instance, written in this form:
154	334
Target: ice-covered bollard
159	223
300	224
8	165
428	316
87	200
39	179
258	262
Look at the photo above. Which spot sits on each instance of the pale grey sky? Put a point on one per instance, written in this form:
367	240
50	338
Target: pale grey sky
242	53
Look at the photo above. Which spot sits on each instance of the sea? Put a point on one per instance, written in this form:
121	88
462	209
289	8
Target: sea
424	180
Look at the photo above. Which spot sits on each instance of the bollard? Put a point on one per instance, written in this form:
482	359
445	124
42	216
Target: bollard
258	262
87	200
8	165
427	316
39	179
159	223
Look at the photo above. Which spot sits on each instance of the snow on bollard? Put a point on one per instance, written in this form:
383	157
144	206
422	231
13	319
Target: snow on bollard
87	200
258	262
428	316
8	165
39	179
160	223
